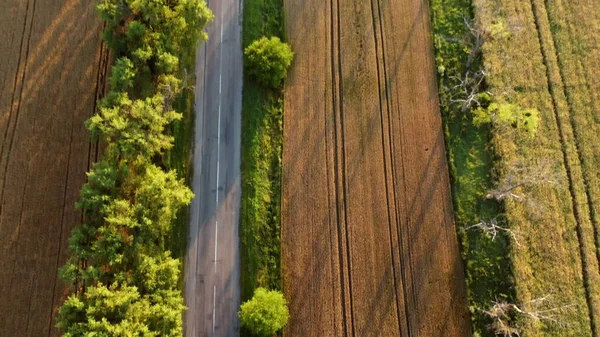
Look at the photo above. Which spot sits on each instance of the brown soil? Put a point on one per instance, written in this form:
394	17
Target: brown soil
52	60
369	244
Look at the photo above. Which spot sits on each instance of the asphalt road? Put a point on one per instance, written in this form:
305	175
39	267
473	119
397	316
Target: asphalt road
212	266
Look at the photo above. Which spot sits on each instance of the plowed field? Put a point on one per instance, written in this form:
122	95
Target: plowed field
52	60
368	240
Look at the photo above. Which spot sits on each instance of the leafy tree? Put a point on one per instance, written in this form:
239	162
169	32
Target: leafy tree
135	127
154	274
122	74
266	313
129	203
153	32
267	60
121	310
158	195
101	187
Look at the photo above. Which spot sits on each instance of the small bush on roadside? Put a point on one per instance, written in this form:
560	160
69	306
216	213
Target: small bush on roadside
266	313
267	60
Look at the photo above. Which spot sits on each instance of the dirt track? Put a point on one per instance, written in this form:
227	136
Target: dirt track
369	245
51	64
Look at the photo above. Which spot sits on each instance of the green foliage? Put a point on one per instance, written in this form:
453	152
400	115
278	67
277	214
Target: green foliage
152	32
262	138
122	74
158	196
470	157
266	313
504	115
135	127
267	60
121	310
130	202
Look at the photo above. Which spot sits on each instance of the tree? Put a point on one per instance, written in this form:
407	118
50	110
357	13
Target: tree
266	313
267	60
122	75
156	197
120	311
135	128
152	32
467	91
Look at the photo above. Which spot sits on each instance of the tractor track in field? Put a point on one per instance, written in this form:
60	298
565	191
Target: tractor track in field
340	208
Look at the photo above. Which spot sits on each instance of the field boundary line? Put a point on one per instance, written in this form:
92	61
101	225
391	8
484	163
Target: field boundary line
560	125
103	65
62	217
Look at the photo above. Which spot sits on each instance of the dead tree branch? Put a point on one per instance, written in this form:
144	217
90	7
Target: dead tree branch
543	173
479	35
501	313
492	227
468	89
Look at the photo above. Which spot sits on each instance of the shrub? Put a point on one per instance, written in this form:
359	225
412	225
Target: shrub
266	313
267	60
503	115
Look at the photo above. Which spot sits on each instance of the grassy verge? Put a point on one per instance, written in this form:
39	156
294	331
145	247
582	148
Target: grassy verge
471	160
179	159
262	138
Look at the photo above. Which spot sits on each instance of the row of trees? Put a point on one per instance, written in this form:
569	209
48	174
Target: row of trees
125	281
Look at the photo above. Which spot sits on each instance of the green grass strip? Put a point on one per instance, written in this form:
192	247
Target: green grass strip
487	263
262	139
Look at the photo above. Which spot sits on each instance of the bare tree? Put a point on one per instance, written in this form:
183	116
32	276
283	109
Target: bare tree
187	81
468	89
492	227
501	313
479	34
523	176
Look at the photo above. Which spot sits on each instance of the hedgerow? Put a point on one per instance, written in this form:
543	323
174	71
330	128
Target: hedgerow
125	280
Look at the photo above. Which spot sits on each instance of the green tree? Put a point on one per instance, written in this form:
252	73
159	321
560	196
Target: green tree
122	75
135	128
267	60
153	32
266	313
155	197
121	311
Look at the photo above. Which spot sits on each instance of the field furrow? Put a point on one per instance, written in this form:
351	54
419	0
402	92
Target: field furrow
44	154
